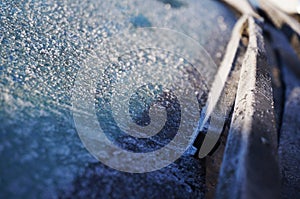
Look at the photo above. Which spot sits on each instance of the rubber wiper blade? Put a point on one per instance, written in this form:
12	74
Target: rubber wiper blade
250	164
215	127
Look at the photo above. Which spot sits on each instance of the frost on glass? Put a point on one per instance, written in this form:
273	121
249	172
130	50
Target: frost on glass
43	45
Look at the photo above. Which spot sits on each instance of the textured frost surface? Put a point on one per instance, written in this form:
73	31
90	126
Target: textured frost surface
43	44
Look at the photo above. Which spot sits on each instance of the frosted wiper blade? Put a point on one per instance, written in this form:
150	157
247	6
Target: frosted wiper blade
250	166
218	85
